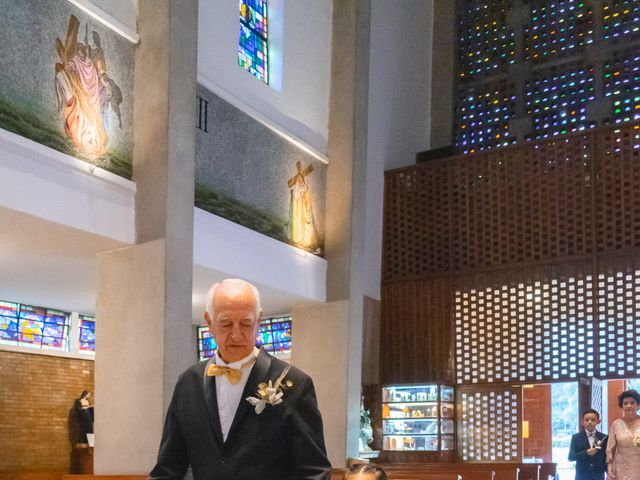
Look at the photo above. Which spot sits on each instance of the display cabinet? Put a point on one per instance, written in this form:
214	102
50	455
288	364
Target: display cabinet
418	418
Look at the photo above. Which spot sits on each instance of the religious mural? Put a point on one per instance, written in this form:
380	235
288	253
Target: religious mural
250	175
302	230
70	86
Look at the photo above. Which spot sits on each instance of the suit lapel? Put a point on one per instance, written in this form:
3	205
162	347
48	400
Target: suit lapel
258	375
209	387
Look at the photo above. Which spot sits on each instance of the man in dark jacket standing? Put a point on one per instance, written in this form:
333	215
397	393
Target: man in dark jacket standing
243	414
588	448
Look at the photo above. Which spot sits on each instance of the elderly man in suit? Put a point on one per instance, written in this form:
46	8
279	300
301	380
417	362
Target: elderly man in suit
243	414
588	448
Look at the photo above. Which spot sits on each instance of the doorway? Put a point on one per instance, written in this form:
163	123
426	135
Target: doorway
550	418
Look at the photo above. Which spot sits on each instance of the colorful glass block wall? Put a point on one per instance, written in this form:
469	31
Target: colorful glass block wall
531	69
274	336
253	41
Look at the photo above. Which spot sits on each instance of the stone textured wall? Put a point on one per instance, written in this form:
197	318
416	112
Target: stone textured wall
37	393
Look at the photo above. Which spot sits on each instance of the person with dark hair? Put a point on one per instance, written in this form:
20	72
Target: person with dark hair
365	471
588	447
623	450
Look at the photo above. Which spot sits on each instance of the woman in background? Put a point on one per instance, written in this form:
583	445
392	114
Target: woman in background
623	449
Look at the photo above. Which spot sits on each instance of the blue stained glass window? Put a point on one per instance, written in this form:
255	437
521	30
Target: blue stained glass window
274	336
206	344
253	41
87	333
30	326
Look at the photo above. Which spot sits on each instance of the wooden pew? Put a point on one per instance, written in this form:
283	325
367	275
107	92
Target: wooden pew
469	471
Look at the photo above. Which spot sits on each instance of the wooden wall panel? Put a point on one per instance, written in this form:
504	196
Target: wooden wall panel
570	201
416	335
416	237
489	423
618	188
527	325
522	204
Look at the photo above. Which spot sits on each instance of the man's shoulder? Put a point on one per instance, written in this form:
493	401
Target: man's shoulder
193	372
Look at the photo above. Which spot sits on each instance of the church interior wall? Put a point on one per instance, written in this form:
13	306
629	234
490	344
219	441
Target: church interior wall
399	104
37	393
298	106
252	176
121	15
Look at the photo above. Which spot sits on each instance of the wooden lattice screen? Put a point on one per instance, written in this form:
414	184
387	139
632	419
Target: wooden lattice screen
494	231
489	424
535	325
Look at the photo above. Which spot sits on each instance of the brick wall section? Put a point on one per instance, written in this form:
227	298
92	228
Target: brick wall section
37	393
537	410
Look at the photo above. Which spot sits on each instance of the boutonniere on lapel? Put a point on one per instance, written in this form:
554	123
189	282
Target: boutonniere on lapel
271	393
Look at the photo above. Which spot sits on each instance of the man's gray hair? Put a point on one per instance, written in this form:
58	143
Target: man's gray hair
232	281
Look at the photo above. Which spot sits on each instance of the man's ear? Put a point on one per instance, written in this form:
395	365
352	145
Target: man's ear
207	318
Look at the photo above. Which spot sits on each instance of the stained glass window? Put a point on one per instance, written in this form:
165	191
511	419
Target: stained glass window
274	336
622	85
620	18
30	326
206	344
253	41
533	69
87	329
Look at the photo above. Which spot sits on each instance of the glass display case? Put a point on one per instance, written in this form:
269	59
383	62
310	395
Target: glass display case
418	418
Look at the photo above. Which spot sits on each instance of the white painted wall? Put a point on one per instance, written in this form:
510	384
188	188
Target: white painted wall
399	108
52	186
120	15
285	275
298	106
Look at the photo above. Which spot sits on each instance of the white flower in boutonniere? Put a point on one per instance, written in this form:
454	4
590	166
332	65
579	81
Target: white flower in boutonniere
270	393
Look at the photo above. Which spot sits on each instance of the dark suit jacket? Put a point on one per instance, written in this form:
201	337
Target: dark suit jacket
284	442
588	468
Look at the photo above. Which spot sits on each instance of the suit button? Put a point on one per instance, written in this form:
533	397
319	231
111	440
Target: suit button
223	461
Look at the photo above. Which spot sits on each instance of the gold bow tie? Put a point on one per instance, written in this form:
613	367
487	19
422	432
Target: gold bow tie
233	374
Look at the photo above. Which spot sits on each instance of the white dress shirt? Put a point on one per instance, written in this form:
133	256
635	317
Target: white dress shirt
227	394
591	436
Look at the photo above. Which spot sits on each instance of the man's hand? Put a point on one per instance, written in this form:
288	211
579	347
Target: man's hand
592	451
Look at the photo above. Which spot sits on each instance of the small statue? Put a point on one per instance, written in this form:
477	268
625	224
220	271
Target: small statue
84	415
366	431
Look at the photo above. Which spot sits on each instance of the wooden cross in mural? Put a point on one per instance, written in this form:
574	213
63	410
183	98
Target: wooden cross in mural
299	176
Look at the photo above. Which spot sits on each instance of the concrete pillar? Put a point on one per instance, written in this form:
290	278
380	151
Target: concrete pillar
143	313
327	339
442	77
321	349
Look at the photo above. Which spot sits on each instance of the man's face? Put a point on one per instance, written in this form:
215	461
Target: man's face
235	326
590	421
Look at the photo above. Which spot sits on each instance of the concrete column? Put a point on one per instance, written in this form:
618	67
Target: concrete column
327	339
442	79
144	331
321	349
